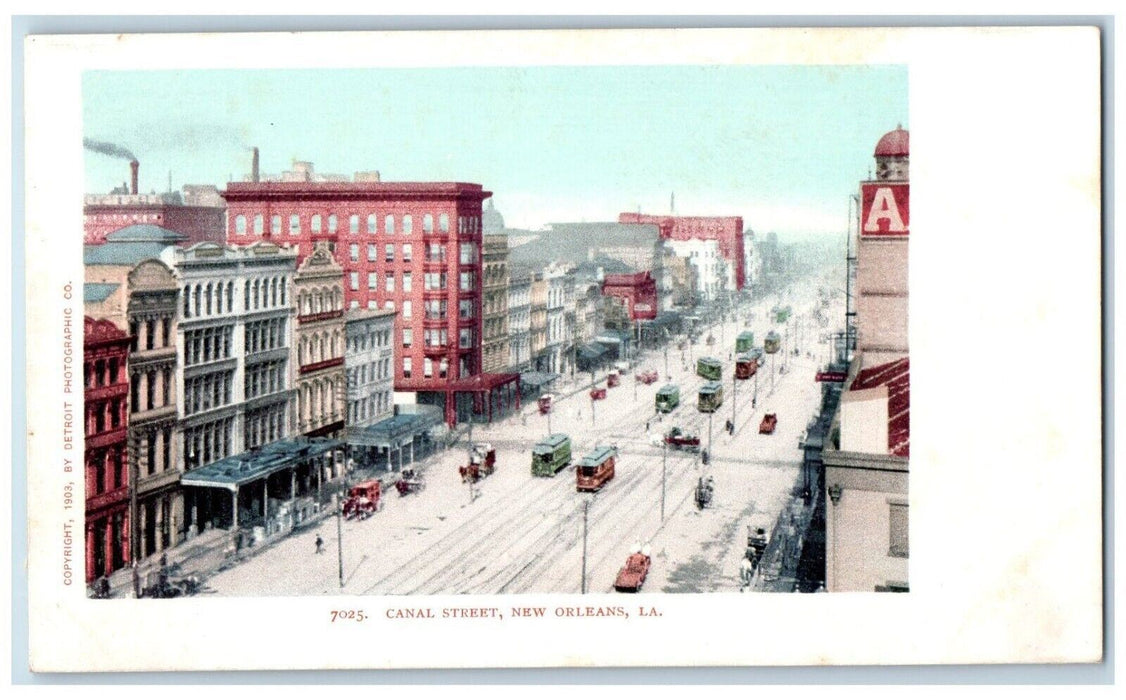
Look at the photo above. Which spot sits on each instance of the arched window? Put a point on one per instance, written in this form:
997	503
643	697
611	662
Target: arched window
389	224
315	223
187	294
284	284
230	297
275	224
444	223
207	299
257	294
246	296
258	223
408	224
354	224
240	224
428	223
332	223
371	223
274	292
195	302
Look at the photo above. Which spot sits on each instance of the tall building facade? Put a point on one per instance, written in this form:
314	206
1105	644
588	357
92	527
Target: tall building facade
234	388
368	364
520	320
128	284
495	352
867	467
537	330
105	370
411	247
318	348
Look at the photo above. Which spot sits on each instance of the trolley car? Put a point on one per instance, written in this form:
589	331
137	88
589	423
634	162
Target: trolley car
668	398
772	343
745	366
596	468
710	397
551	454
709	368
744	342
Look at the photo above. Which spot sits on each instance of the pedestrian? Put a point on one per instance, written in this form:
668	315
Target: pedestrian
647	426
746	572
320	544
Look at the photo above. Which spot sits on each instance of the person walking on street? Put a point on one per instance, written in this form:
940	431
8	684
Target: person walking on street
320	544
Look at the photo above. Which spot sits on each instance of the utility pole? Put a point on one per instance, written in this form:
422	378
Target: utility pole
339	542
734	389
586	508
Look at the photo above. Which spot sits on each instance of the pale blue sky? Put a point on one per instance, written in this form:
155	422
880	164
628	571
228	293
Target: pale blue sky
781	146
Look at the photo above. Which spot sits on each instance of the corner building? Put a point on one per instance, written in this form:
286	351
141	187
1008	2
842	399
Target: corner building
410	247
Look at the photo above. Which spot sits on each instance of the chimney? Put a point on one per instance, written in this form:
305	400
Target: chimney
134	166
254	166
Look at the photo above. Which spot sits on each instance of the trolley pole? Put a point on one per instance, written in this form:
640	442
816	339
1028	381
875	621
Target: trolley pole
586	507
710	435
339	543
664	469
754	399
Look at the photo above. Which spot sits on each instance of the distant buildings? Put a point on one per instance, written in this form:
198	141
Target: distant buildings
725	231
197	212
520	319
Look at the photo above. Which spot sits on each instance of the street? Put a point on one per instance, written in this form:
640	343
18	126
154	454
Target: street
515	533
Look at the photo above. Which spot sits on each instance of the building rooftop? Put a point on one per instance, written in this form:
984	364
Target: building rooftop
98	291
897	376
244	468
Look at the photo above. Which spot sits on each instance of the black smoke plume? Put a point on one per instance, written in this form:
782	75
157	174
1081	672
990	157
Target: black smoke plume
108	149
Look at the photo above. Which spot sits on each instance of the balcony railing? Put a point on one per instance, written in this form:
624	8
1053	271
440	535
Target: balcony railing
323	364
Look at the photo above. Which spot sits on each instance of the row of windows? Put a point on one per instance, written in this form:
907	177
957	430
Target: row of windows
320	300
317	403
369	341
208	443
266	335
388	281
319	347
101	373
263	426
106	471
156	451
207	345
319	224
370	372
103	416
427	368
265	378
143	390
369	407
207	392
215	298
144	332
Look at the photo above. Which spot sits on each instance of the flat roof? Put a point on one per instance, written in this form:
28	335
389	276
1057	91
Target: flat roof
669	388
711	387
237	470
551	442
597	456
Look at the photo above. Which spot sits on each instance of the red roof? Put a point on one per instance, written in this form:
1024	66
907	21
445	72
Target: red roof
894	143
897	376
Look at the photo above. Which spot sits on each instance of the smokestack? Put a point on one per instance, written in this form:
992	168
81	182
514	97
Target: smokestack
254	165
134	166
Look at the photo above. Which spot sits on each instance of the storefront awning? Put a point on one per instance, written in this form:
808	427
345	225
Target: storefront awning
237	470
537	379
396	430
591	351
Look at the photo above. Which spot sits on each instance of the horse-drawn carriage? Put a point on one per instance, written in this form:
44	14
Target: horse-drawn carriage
647	376
410	482
482	462
705	489
677	439
598	393
363	500
613	379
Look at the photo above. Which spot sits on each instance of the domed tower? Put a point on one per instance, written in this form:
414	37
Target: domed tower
893	155
491	219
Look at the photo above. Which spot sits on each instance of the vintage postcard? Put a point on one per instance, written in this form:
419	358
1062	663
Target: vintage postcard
563	348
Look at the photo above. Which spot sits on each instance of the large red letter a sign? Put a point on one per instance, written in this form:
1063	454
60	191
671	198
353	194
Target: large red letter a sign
884	209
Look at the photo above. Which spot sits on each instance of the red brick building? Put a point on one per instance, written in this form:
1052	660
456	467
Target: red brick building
105	351
197	212
638	293
727	231
413	247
